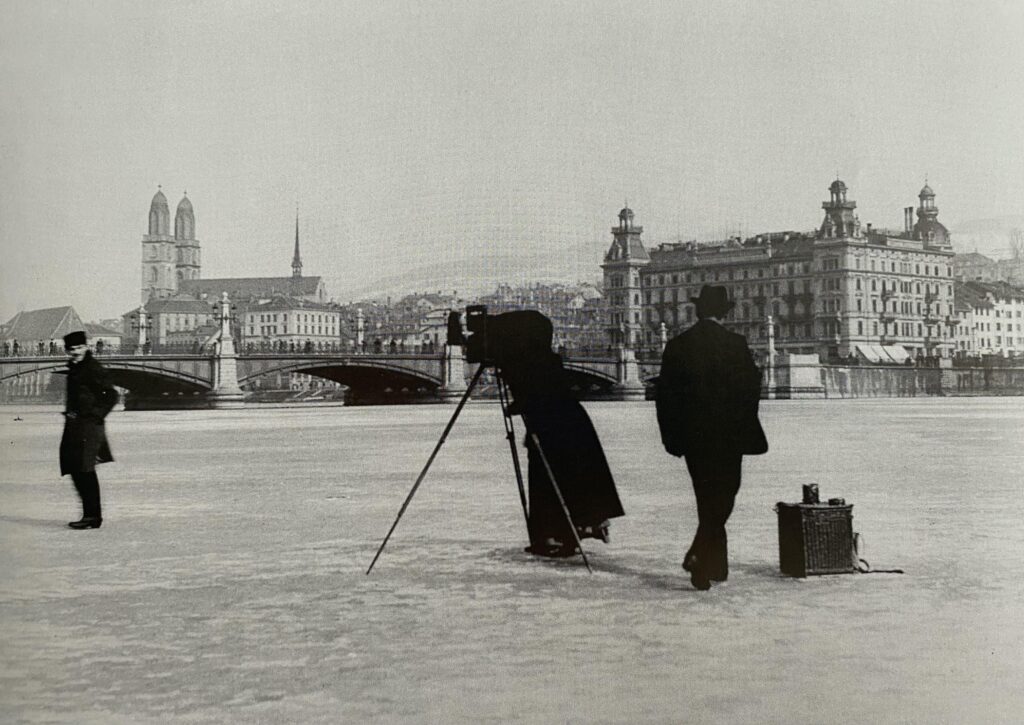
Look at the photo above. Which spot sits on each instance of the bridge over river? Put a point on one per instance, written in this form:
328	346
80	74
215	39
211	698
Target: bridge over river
220	378
200	380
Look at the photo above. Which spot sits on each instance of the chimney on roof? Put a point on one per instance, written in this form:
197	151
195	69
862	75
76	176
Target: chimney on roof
908	219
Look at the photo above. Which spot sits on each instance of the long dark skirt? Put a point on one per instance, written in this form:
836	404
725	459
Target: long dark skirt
577	460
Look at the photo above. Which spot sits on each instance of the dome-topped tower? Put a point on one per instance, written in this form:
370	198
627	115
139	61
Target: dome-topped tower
625	217
158	252
840	219
622	264
185	241
184	220
159	215
928	228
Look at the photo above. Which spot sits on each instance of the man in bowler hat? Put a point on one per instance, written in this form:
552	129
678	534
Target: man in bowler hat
708	393
90	396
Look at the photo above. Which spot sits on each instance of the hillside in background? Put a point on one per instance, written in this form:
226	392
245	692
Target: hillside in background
990	237
477	274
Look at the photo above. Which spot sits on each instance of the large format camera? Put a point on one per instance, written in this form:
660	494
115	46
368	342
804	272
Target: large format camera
503	339
475	343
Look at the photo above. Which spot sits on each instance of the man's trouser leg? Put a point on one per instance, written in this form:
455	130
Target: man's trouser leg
716	481
88	487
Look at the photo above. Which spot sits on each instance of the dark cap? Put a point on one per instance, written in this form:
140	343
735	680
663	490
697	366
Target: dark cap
74	338
713	301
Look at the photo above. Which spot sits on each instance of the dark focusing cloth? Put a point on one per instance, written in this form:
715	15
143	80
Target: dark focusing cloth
541	393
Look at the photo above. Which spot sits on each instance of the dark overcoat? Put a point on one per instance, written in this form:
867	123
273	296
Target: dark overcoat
542	395
90	396
708	394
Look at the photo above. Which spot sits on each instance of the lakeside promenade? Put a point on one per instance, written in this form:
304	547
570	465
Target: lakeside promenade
227	583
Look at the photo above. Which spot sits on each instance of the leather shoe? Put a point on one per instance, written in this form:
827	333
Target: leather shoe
698	577
90	522
553	549
700	581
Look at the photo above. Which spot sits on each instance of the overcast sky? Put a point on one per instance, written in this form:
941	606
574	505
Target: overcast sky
414	133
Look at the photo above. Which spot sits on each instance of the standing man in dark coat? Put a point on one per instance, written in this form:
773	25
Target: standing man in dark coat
708	393
90	396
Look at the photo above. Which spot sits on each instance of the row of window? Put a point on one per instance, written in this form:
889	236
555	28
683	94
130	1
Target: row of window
987	326
986	342
186	322
987	311
827	305
904	268
830	284
826	328
298	330
745	311
299	317
829	264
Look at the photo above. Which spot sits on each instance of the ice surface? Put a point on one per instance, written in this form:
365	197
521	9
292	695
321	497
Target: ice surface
227	583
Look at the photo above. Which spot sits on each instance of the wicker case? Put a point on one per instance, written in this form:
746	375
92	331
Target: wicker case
815	539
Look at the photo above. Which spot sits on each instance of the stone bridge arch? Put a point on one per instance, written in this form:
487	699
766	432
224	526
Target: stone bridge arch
368	379
589	377
134	373
161	376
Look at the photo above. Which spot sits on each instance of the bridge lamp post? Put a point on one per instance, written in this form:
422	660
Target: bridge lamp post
226	392
142	326
224	313
358	324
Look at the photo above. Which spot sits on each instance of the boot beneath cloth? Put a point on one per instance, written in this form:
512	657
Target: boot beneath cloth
553	549
86	522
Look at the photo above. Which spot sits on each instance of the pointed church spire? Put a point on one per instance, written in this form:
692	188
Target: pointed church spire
296	259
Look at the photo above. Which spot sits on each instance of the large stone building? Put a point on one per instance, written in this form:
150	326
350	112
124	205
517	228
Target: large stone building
171	264
992	319
257	290
169	322
178	305
288	323
845	289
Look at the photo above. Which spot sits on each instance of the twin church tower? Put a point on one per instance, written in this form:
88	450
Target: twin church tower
167	259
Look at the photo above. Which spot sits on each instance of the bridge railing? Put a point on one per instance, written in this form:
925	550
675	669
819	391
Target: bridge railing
282	348
100	350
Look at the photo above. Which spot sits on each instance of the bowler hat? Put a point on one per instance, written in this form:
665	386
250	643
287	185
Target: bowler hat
713	301
74	338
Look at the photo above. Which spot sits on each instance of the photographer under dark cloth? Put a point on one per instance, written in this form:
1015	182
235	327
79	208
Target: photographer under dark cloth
519	344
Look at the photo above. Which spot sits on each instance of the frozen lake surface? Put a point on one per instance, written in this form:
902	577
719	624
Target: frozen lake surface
227	583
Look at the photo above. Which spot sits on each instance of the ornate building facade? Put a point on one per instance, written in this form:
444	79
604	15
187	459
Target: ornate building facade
624	265
839	291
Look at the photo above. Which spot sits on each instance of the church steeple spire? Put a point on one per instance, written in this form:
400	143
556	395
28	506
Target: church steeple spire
296	258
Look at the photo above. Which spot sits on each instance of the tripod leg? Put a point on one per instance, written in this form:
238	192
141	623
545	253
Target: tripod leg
561	501
510	434
419	480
